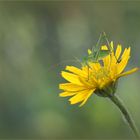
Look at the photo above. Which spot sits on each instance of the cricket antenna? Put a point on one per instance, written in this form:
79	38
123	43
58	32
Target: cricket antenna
78	60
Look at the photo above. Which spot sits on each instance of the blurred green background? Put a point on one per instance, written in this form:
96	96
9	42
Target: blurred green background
35	37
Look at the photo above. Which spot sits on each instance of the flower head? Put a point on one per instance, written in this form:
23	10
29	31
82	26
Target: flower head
99	78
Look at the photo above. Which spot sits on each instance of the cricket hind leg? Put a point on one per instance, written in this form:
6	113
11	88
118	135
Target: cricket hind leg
118	59
110	48
88	72
97	44
89	68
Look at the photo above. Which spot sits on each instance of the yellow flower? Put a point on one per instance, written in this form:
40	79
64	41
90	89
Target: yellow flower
99	78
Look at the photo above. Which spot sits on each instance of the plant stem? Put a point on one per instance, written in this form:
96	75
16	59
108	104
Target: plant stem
126	114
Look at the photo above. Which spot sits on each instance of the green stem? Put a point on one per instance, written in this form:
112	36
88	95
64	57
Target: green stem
126	114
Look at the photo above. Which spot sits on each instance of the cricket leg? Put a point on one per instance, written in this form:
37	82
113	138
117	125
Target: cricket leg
110	48
95	48
88	72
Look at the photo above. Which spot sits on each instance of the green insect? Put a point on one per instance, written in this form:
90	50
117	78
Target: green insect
97	53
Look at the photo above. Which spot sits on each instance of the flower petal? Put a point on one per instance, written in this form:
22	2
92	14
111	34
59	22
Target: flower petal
76	71
86	82
118	51
128	72
71	77
80	96
126	52
106	61
95	66
110	58
65	94
112	45
87	96
124	61
71	87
